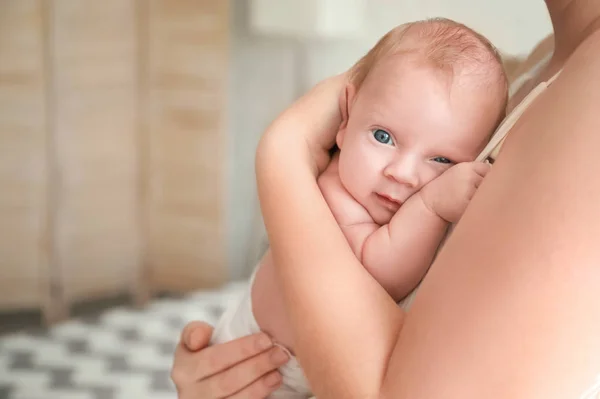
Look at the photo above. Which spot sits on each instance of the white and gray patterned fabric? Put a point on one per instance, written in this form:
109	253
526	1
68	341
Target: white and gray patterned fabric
121	353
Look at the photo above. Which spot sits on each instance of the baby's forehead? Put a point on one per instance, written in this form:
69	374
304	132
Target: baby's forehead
398	76
401	75
422	102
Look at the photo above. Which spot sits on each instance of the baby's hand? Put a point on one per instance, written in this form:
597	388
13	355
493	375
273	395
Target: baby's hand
449	194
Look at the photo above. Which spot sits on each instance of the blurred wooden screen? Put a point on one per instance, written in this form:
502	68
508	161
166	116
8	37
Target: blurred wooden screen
112	145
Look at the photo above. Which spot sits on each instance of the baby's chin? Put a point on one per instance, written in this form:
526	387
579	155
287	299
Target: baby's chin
381	216
383	221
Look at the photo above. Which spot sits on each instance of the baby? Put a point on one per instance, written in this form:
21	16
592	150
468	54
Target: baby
417	110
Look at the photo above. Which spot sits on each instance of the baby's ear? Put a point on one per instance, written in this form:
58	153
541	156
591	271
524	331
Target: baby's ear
346	100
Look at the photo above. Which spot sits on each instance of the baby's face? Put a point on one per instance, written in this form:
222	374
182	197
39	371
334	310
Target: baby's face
406	126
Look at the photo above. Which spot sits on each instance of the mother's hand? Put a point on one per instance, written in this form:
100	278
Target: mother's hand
245	368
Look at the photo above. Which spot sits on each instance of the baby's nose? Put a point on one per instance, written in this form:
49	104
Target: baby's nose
404	172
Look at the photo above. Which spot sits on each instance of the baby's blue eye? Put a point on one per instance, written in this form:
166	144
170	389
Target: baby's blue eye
382	136
442	160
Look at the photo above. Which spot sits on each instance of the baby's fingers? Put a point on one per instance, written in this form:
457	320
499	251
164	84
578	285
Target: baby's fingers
481	168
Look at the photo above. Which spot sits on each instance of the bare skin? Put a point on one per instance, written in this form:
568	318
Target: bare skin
568	295
530	231
241	369
422	162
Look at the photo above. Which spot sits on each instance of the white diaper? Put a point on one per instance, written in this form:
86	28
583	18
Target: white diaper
238	321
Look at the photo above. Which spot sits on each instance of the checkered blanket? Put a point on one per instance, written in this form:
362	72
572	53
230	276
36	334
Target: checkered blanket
122	353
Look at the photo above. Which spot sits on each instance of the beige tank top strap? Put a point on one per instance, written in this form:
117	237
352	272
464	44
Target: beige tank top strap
491	150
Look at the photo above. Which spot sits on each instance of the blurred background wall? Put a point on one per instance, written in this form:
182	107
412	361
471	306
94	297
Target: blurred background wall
112	149
128	129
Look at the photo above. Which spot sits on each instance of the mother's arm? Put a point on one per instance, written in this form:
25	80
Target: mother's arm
291	154
511	307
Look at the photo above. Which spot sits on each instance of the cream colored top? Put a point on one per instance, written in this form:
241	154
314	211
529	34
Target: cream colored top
490	152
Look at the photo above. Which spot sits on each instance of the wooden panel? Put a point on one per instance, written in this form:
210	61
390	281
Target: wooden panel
23	263
94	64
186	78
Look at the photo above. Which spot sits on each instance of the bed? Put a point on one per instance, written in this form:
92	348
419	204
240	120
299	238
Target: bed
121	352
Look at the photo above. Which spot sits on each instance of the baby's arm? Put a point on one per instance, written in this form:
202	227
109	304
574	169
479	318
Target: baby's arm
398	254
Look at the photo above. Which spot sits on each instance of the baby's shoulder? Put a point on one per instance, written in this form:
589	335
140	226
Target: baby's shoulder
346	210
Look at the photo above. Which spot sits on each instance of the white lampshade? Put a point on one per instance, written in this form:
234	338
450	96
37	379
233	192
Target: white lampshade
308	18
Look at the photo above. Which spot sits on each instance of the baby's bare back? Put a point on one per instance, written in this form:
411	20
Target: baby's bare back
267	303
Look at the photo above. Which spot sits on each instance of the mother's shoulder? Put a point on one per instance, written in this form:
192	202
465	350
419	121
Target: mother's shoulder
584	63
589	49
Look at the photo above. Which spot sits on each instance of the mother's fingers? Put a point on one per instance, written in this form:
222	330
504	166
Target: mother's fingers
196	335
260	388
195	366
248	377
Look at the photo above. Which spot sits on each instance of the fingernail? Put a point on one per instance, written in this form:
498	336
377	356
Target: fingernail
279	356
264	342
273	379
194	340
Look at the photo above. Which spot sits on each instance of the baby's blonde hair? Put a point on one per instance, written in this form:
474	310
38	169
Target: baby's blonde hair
444	44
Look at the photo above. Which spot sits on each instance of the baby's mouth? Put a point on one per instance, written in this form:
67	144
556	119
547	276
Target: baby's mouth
389	202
